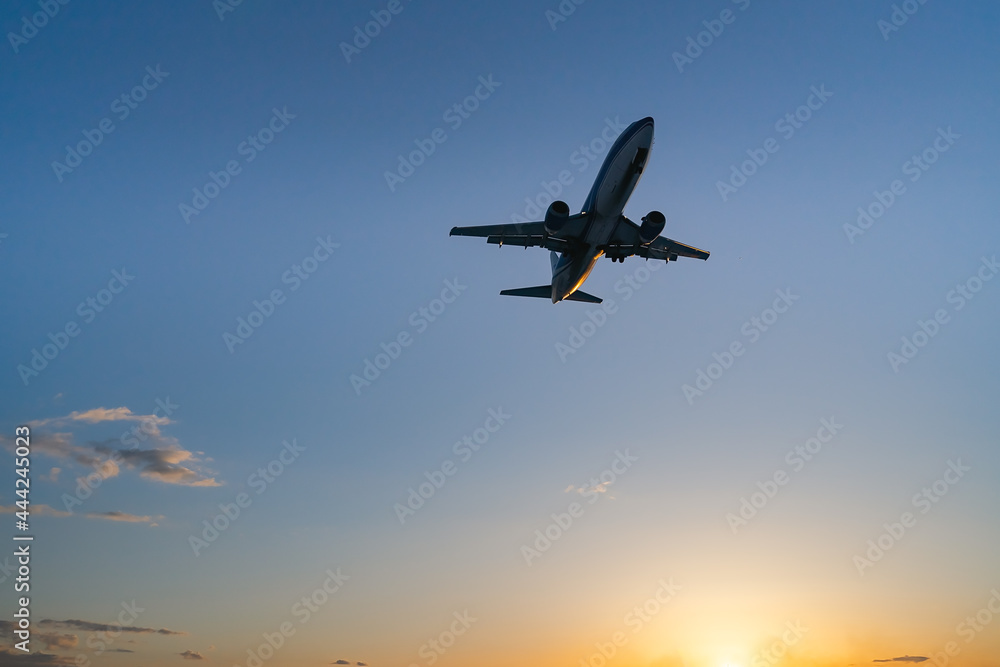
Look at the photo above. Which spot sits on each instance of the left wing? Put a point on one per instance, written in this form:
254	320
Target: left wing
626	242
529	234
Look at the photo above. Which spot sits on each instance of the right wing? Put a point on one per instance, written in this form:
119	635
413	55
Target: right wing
664	248
529	234
626	242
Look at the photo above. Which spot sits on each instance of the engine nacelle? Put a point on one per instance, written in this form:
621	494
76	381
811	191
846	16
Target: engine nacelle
651	227
556	216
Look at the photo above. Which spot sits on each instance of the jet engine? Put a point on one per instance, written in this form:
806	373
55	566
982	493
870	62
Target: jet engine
556	216
651	227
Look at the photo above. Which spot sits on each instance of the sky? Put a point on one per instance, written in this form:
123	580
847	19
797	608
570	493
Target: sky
278	417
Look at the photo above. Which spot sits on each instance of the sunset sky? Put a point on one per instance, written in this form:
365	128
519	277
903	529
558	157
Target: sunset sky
279	418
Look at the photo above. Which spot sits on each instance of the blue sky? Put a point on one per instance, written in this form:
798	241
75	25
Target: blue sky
318	190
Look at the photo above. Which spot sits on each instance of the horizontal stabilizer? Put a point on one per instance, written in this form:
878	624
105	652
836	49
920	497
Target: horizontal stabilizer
542	291
545	292
583	296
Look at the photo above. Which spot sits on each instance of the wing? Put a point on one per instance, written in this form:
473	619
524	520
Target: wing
529	234
626	242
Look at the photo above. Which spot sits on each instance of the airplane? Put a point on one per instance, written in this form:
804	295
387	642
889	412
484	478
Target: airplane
600	229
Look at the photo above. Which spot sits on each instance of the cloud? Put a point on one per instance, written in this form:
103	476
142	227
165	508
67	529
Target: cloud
36	509
57	640
124	516
113	515
98	415
169	464
9	658
54	474
341	662
191	655
164	461
60	446
162	465
905	658
46	510
596	488
87	626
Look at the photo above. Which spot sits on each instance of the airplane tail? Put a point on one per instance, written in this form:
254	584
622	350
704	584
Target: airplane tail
545	292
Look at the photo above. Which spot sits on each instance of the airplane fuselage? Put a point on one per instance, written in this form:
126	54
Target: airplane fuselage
604	205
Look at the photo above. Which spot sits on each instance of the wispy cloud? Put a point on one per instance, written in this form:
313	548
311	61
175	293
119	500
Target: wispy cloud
9	658
163	465
905	658
98	415
88	626
60	446
124	516
191	655
595	488
57	640
113	515
51	640
164	461
36	509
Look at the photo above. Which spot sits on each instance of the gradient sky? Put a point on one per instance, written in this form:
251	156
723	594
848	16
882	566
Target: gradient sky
788	587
